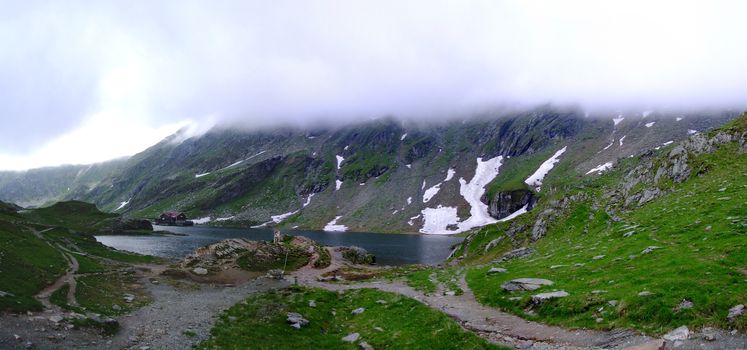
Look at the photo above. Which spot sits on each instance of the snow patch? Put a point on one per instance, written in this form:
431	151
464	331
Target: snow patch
621	139
535	180
338	184
450	174
648	125
646	113
600	169
422	187
243	160
412	220
403	137
691	131
667	143
608	146
437	220
409	200
278	218
201	175
334	227
678	119
308	200
618	119
409	166
121	204
224	219
340	159
430	192
346	147
201	221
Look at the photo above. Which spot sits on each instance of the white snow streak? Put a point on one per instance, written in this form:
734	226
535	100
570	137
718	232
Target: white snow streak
333	226
121	204
430	192
608	146
409	166
340	159
308	200
412	220
691	131
667	143
437	220
521	210
618	119
278	218
403	137
423	186
602	168
648	125
409	200
621	139
338	184
201	221
646	113
535	180
678	119
201	175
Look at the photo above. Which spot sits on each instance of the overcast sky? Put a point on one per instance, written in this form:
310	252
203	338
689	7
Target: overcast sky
88	81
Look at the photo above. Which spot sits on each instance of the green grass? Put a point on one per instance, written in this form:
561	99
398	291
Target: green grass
400	323
700	227
27	264
421	281
515	170
296	258
80	216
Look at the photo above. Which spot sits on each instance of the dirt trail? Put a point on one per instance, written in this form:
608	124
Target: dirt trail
68	278
506	329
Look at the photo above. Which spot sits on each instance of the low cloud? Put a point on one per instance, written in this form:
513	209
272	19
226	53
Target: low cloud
159	64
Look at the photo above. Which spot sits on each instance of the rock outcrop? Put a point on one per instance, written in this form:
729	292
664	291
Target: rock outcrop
505	203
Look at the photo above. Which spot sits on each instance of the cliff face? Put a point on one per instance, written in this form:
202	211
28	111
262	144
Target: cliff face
505	203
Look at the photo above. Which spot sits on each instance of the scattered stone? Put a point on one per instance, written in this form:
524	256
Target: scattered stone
29	345
296	320
5	294
612	303
708	228
645	293
145	347
351	338
56	318
494	270
735	312
599	320
312	303
680	333
17	337
154	281
553	267
358	311
628	234
365	346
514	298
528	284
598	291
517	253
649	249
450	293
275	274
382	302
128	298
379	329
116	307
598	257
578	264
542	297
709	334
684	305
200	271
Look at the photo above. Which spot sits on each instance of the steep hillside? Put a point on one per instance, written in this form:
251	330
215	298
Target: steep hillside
37	187
655	242
384	175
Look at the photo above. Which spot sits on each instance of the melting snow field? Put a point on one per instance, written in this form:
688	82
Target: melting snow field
621	140
340	159
618	119
278	218
333	226
308	200
338	184
430	192
450	174
600	169
691	131
678	119
521	210
123	204
409	200
535	180
648	125
437	220
201	221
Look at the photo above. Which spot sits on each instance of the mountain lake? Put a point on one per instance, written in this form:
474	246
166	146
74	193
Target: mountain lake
389	249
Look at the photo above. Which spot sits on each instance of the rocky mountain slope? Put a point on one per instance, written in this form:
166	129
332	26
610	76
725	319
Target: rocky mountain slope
384	175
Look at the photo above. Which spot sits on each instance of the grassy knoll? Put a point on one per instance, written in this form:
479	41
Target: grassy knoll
699	235
398	323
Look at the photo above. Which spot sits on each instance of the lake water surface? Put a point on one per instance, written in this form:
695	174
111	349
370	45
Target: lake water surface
390	249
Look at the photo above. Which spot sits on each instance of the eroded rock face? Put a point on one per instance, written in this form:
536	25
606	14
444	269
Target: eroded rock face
504	204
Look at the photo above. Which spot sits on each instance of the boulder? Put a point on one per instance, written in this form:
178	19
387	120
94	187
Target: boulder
542	297
296	320
365	346
275	274
735	312
351	338
494	270
357	255
528	284
649	249
200	271
358	311
517	253
680	333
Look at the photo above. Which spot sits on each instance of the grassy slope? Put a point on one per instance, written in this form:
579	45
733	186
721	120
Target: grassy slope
700	228
80	216
260	323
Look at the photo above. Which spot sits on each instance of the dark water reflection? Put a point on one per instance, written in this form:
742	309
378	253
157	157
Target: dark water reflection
390	249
